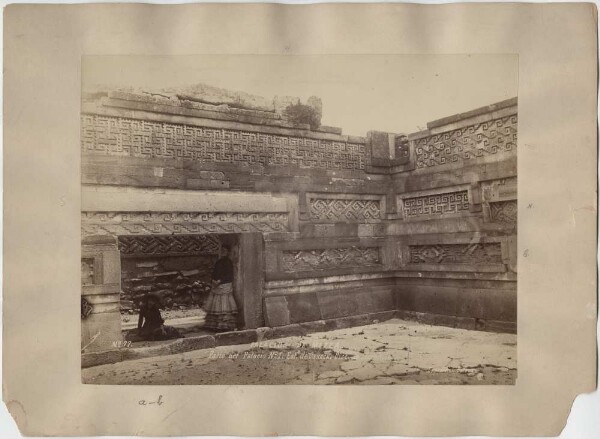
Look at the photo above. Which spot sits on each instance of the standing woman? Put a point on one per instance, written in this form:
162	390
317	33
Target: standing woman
221	309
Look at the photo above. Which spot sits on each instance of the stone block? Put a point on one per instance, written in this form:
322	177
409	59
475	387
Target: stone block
328	129
248	284
366	230
500	305
334	305
219	184
382	316
289	331
356	139
436	300
405	315
466	323
350	321
303	307
99	239
277	312
330	325
103	357
235	337
192	344
146	352
380	145
198	183
471	303
315	326
376	299
497	326
100	329
404	299
270	257
263	333
439	320
323	231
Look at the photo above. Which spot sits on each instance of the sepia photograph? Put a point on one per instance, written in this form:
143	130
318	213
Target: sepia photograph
299	220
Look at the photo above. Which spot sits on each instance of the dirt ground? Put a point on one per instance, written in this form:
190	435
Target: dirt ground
392	352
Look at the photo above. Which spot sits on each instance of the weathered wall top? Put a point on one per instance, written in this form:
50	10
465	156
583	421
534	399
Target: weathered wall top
206	137
486	134
217	103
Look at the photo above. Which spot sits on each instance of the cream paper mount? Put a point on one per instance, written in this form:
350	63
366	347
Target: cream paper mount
371	240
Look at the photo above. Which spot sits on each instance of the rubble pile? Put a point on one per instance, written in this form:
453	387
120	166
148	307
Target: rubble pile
177	289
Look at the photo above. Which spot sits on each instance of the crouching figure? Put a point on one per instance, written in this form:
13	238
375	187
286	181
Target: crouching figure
151	324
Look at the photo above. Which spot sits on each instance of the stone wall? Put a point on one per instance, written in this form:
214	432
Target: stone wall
423	223
457	221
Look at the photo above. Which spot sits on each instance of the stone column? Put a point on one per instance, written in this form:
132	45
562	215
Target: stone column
250	279
100	293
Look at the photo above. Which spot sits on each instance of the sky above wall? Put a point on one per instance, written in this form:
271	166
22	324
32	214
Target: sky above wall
395	93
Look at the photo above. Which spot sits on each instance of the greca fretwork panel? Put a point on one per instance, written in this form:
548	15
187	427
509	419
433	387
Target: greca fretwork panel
120	136
504	211
305	260
331	209
166	223
481	253
435	204
169	245
498	136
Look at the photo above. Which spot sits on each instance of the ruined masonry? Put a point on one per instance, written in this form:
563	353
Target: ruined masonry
325	226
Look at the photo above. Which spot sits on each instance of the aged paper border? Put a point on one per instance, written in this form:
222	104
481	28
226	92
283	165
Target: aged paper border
556	44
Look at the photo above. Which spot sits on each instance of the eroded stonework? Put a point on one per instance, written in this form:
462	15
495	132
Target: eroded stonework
87	271
481	253
499	189
402	147
504	212
483	139
165	223
118	136
331	209
168	245
303	260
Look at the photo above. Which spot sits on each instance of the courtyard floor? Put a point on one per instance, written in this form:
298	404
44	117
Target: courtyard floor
390	352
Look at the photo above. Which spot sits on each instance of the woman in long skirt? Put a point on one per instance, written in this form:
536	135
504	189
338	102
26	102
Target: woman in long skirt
221	309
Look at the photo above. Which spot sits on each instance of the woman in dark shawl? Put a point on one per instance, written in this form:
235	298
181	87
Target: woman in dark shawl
221	309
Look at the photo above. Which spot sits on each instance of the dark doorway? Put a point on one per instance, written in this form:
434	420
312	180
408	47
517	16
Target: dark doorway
178	269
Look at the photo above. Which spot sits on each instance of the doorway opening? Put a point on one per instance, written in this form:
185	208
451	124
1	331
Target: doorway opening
175	272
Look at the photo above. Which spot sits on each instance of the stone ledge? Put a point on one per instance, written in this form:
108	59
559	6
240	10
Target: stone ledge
104	357
235	337
192	343
512	102
229	338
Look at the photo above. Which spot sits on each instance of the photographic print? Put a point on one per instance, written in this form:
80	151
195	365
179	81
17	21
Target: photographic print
309	220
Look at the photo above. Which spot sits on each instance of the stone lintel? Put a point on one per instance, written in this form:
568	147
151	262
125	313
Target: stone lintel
128	199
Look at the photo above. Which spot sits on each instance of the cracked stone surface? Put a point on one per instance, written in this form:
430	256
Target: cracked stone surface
331	374
387	353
